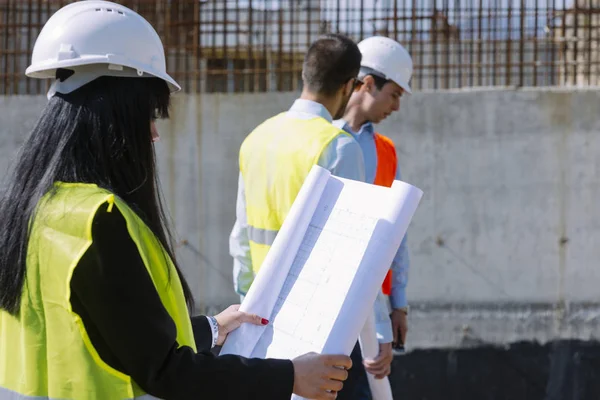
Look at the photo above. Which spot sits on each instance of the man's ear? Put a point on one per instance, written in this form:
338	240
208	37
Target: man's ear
369	84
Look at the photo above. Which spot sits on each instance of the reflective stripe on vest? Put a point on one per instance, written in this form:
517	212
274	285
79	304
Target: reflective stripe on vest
261	236
274	161
45	351
387	163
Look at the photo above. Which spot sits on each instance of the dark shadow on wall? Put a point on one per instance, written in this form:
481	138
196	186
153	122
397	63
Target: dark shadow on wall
559	370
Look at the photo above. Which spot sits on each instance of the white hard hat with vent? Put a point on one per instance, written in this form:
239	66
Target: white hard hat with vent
389	58
97	38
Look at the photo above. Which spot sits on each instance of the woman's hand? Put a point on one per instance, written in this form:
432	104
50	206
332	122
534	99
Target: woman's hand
231	319
320	376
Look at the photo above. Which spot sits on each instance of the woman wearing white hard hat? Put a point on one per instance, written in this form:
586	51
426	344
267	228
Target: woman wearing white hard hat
92	302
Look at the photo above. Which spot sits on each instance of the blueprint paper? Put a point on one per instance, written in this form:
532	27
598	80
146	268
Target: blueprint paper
319	281
380	388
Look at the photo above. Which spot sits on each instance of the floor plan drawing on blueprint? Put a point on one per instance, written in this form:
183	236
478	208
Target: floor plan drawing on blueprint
320	278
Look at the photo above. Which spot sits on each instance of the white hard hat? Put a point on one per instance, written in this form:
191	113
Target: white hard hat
97	38
389	58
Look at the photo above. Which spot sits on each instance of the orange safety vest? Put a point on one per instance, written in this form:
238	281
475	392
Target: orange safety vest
387	162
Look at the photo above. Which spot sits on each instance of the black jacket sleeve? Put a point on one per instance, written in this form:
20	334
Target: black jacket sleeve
133	333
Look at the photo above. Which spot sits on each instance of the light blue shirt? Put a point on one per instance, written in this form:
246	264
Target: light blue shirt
343	157
400	265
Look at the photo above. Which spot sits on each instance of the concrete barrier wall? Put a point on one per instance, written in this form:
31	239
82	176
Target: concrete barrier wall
504	245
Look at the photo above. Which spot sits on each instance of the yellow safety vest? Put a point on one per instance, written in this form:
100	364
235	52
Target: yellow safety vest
45	351
274	161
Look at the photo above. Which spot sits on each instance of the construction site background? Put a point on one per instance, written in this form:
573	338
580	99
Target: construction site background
501	135
258	45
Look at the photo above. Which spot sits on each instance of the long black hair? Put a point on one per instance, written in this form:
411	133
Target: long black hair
100	134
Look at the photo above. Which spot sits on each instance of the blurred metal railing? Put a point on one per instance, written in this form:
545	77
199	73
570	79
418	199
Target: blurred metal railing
258	45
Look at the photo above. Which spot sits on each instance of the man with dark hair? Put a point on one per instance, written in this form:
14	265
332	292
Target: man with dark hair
278	155
330	63
306	136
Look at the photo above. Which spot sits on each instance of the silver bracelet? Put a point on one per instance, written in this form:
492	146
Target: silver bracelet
215	330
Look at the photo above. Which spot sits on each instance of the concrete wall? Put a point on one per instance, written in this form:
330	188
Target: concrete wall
504	244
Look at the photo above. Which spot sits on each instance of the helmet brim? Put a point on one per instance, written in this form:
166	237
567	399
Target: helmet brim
47	70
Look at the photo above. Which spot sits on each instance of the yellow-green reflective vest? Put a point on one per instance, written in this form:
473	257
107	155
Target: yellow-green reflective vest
274	161
45	351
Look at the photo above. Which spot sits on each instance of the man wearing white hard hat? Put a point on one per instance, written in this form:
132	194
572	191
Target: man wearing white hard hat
385	74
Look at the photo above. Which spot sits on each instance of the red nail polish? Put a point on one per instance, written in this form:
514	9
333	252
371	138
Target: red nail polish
264	321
